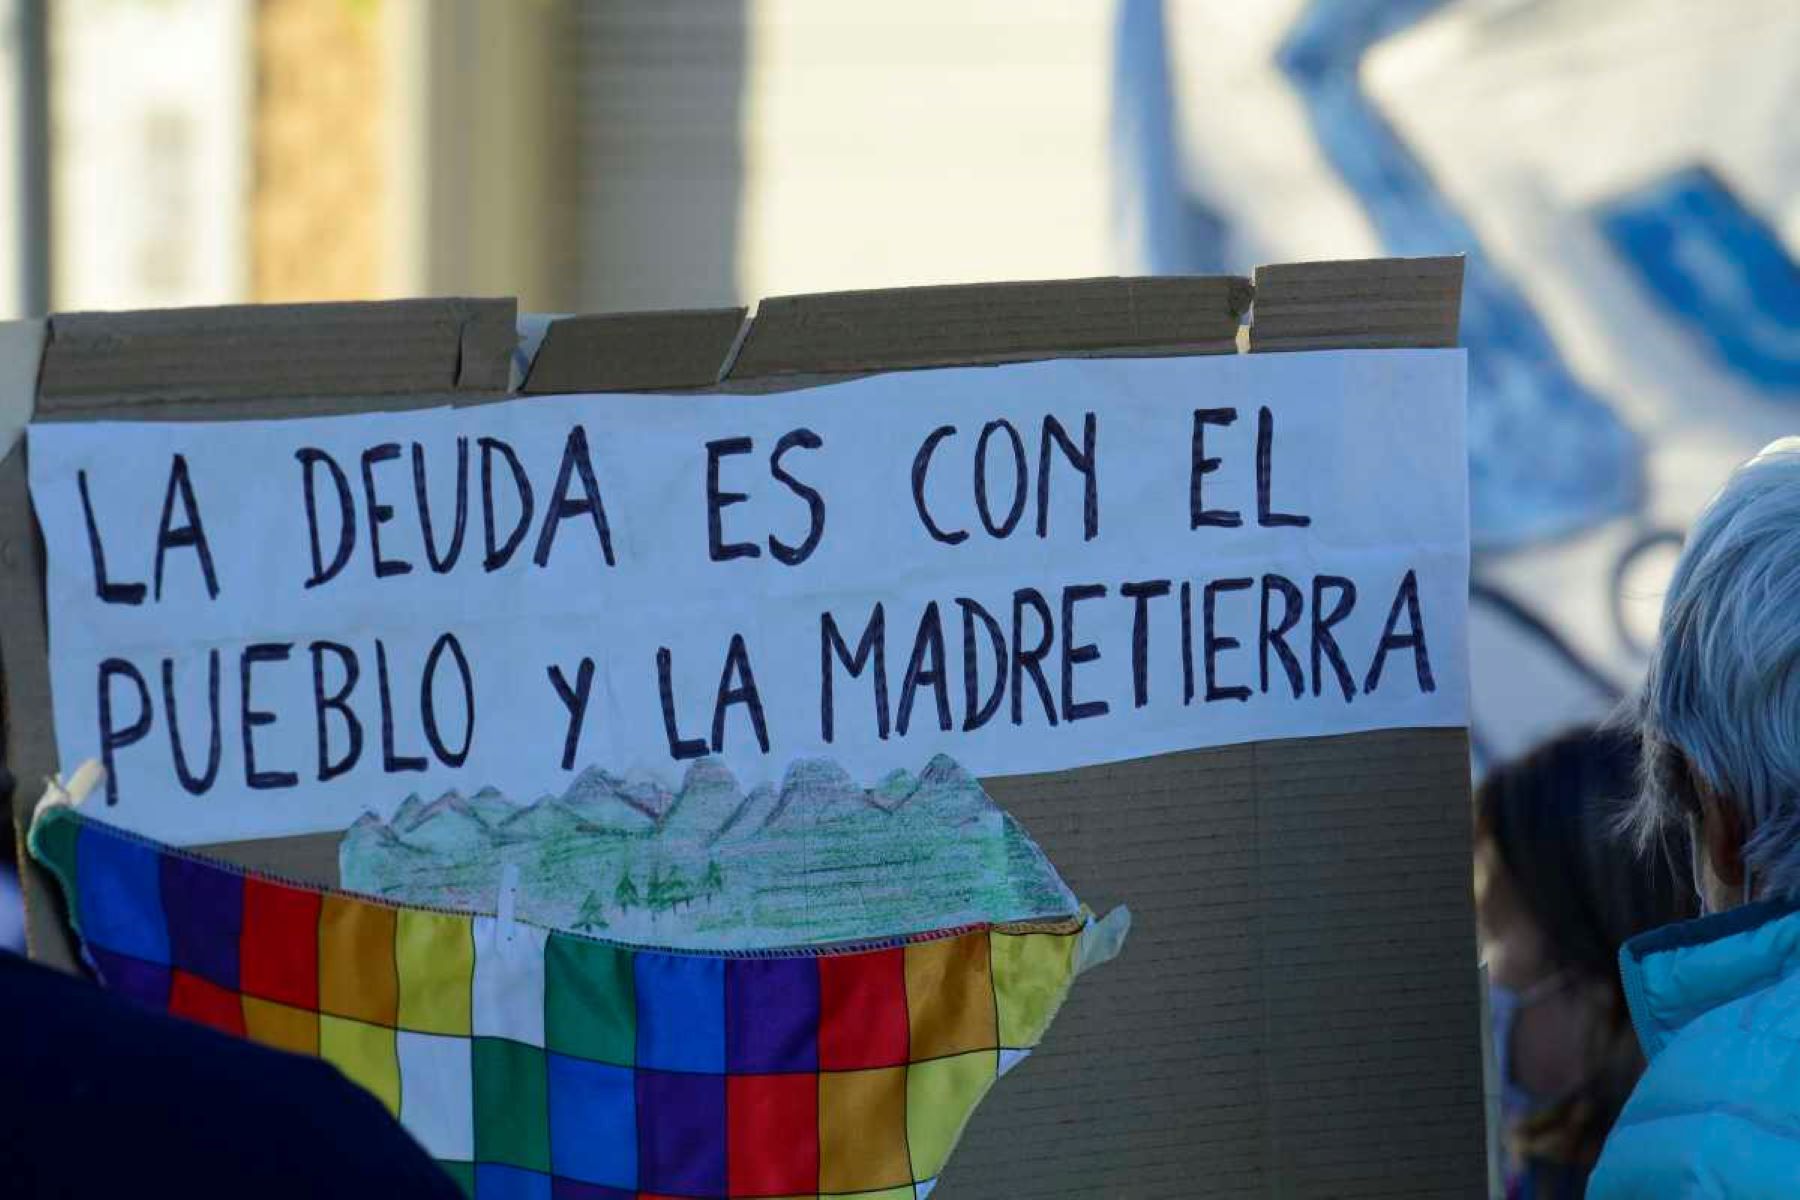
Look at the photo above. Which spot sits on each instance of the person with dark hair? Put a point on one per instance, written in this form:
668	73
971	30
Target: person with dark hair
1556	896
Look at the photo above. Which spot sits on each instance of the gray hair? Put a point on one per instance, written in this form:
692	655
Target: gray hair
1722	700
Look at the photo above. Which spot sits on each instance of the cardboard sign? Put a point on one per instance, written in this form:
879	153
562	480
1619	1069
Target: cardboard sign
1297	1011
269	628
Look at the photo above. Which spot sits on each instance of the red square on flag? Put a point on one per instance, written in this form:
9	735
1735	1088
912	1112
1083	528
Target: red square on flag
862	1010
773	1134
279	956
202	1000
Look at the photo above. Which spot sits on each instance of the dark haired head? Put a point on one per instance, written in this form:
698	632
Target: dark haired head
1551	816
1549	821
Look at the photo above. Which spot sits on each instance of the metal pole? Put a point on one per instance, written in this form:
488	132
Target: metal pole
33	109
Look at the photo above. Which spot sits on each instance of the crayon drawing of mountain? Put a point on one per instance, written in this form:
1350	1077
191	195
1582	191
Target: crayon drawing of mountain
818	859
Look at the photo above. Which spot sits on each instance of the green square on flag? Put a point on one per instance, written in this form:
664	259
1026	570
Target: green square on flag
512	1104
590	1000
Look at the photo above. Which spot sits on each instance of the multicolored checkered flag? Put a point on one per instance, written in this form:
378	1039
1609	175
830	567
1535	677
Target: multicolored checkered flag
541	1063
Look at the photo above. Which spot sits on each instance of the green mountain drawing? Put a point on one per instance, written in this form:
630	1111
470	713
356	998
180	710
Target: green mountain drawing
708	866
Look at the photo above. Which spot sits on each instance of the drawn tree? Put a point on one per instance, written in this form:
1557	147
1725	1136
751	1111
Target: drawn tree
625	896
593	912
670	889
713	882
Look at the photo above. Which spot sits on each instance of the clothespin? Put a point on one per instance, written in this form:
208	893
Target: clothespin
507	900
87	777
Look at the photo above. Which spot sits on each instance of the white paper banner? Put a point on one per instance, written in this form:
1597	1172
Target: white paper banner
271	627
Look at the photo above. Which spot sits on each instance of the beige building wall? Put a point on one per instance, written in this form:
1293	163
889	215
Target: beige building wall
409	147
319	131
935	141
601	155
12	149
481	158
660	91
734	149
149	152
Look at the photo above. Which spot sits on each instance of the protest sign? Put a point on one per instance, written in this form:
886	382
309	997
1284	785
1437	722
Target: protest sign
1297	863
267	628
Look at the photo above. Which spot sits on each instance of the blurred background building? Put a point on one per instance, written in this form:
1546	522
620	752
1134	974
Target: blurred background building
1623	174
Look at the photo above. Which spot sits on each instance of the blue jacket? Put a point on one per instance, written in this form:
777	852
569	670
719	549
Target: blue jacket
1716	1004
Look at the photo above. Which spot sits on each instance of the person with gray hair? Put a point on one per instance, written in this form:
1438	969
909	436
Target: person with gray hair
1714	1000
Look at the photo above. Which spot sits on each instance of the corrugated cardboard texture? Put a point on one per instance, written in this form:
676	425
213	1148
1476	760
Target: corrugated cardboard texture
310	857
802	341
129	365
990	323
624	352
1360	304
1296	1011
21	353
25	658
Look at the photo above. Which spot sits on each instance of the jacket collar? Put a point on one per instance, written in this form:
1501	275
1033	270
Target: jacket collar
1680	972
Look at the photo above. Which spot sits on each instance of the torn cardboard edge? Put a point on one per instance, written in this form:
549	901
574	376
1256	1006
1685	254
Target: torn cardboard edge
797	341
127	365
791	340
1378	303
262	362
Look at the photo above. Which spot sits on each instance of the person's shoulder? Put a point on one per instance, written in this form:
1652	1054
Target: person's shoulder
103	1096
1717	1112
1697	1153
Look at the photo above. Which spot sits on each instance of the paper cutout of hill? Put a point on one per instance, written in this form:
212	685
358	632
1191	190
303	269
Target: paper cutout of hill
708	867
